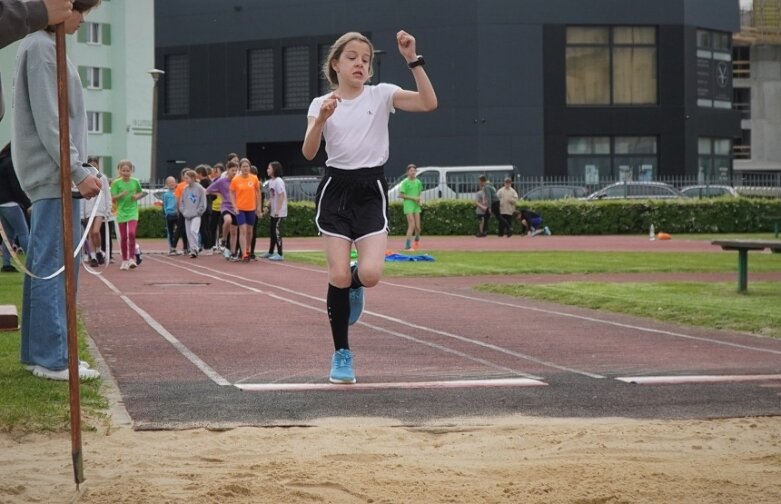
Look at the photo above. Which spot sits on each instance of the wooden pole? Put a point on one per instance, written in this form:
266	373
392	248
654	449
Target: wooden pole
70	266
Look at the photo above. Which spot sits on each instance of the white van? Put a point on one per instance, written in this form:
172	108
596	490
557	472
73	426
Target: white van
454	182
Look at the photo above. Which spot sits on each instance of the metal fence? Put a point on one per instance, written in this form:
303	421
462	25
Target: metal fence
746	184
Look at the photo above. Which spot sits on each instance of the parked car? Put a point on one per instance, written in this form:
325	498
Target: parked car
636	190
708	191
152	197
453	182
554	192
298	188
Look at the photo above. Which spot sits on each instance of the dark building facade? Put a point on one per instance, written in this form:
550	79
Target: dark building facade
583	88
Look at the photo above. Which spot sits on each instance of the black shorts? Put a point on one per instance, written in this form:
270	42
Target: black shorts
352	204
233	217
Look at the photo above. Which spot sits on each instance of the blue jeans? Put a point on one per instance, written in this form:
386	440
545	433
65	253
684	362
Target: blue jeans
44	318
15	226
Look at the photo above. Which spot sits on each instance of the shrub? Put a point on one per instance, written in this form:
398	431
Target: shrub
564	217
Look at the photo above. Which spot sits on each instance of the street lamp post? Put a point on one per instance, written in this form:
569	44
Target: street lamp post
155	73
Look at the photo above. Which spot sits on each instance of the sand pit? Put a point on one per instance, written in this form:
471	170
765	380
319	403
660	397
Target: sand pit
357	460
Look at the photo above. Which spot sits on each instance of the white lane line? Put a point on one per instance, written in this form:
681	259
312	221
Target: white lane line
590	319
463	339
320	310
306	387
674	380
162	331
560	313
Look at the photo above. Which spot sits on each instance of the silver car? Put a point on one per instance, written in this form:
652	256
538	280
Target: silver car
636	190
708	191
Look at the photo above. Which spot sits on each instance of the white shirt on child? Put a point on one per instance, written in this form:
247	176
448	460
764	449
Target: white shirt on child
356	135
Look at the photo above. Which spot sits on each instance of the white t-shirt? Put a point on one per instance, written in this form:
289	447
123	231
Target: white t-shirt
356	135
276	186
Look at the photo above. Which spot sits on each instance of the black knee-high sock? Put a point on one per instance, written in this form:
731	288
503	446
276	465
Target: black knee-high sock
356	281
338	304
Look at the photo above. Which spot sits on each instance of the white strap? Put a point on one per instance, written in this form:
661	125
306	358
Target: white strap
76	252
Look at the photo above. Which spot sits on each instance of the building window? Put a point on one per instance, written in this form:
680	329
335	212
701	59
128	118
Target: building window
177	84
93	78
611	65
324	87
741	101
715	160
94	33
601	158
260	76
98	122
741	62
741	147
714	69
296	79
94	122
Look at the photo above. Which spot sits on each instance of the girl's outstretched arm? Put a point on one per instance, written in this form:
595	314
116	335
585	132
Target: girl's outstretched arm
424	99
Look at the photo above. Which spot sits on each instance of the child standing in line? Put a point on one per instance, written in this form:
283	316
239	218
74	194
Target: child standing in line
247	203
170	214
352	203
230	226
180	228
126	191
192	205
277	210
410	190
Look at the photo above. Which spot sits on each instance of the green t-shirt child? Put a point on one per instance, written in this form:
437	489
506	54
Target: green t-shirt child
412	188
127	205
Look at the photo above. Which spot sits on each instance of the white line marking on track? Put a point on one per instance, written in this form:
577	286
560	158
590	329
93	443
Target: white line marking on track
162	331
590	319
305	387
560	313
668	380
394	333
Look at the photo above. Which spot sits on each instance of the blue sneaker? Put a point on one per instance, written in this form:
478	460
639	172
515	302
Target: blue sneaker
342	367
276	257
356	300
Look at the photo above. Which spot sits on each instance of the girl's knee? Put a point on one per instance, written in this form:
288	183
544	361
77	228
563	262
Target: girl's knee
369	276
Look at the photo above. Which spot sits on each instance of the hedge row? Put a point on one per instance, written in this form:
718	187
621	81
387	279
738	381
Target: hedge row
564	217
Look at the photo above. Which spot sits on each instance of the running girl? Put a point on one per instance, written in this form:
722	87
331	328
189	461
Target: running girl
352	206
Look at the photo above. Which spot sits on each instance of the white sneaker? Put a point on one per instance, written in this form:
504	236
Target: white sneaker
132	264
82	364
124	266
84	374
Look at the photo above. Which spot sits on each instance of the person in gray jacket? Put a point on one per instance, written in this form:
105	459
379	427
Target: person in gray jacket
35	148
192	205
19	18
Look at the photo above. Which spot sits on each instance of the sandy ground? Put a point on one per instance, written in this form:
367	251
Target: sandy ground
516	459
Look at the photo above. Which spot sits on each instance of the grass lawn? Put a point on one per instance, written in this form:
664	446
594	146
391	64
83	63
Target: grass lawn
708	304
30	404
460	263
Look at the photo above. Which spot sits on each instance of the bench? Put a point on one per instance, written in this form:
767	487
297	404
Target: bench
9	320
743	247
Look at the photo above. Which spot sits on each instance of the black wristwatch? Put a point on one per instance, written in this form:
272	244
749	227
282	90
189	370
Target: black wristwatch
418	62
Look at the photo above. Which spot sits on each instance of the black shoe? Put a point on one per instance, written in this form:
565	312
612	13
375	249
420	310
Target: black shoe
101	258
9	269
93	262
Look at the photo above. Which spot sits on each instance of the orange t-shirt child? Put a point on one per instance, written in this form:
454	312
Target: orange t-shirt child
245	192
